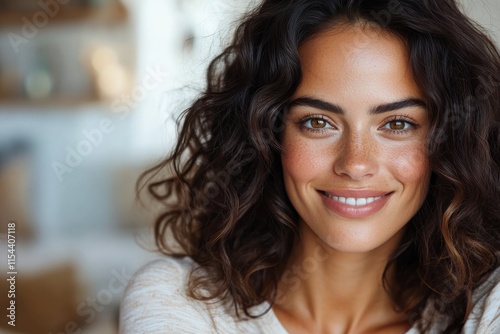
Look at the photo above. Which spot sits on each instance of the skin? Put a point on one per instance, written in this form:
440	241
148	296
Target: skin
333	281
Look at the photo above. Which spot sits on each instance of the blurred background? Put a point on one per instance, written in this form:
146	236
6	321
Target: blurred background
89	90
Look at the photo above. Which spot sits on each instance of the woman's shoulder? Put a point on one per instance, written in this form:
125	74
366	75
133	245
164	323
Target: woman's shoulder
166	276
485	315
168	269
156	301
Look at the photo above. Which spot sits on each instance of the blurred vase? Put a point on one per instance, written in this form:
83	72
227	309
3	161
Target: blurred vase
39	82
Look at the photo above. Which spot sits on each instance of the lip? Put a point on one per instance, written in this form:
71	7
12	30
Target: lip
355	212
356	193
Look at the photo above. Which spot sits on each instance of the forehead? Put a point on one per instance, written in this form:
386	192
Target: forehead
349	59
346	41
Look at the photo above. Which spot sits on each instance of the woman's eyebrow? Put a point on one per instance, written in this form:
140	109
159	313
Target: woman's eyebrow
327	106
406	103
317	104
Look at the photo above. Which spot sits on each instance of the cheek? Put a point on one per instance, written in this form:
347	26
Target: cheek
409	165
301	159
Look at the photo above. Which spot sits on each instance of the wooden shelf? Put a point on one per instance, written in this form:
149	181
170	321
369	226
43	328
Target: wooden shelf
50	103
108	14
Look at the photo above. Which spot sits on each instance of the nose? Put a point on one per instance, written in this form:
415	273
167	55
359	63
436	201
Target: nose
356	156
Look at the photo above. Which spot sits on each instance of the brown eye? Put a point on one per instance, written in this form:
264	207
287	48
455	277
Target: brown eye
318	123
397	125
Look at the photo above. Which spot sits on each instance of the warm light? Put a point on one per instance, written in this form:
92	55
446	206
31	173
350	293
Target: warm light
111	77
102	57
112	80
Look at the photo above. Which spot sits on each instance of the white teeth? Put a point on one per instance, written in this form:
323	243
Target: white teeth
361	201
354	201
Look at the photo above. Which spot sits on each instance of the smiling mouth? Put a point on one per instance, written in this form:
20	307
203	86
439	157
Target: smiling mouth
353	201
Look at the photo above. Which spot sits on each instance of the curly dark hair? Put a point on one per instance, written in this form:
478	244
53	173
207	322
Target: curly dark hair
226	205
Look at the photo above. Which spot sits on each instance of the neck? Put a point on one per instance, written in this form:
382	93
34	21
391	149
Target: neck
323	285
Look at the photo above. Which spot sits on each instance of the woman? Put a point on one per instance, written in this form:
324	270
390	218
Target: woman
340	174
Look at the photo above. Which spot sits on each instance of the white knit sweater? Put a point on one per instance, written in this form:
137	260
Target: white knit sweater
156	302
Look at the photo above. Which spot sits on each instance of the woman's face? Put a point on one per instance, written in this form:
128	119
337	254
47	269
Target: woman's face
354	160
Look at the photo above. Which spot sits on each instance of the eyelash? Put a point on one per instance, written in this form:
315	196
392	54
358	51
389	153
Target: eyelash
311	117
405	119
400	118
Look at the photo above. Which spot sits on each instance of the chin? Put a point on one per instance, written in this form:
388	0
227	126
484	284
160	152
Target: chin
358	242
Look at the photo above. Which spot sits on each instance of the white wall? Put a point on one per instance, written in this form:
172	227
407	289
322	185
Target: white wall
486	13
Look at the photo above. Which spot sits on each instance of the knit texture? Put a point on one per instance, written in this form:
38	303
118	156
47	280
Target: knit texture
156	302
